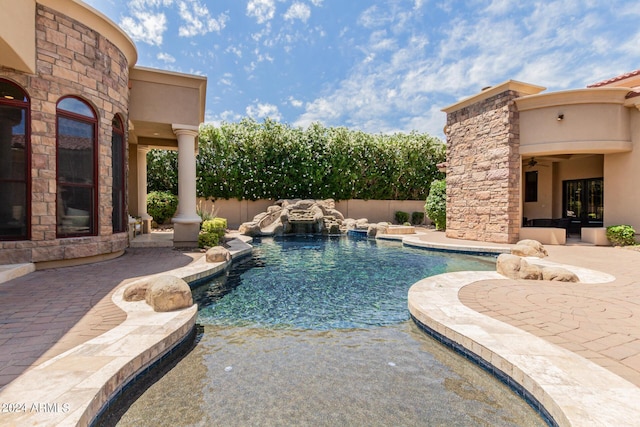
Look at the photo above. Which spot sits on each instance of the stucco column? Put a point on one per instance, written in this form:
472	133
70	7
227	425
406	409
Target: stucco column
142	188
187	221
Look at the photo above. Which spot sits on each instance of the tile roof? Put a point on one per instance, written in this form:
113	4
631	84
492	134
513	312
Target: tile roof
615	79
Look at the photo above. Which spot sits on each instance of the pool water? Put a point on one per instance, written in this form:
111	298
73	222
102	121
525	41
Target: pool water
318	283
316	332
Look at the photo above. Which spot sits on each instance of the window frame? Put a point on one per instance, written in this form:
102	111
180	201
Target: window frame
25	105
122	174
93	215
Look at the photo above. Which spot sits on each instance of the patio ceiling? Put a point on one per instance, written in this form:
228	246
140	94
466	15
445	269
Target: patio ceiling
160	99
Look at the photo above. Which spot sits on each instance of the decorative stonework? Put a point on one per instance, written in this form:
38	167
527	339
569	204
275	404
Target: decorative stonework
483	172
71	59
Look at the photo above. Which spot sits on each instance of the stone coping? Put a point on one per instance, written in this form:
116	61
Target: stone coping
571	389
13	271
462	247
72	388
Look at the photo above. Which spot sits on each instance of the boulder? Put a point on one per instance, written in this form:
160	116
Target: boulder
250	229
168	293
559	274
334	228
373	230
515	267
218	254
508	265
349	223
136	291
531	248
529	271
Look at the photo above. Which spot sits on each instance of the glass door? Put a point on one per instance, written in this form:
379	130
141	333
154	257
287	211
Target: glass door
583	202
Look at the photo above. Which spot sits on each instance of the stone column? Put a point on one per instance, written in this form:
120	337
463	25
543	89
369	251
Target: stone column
187	221
142	188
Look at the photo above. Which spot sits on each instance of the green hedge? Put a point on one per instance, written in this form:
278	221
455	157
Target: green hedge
161	205
271	160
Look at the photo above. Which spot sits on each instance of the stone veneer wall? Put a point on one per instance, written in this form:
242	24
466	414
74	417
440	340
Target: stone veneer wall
483	170
72	59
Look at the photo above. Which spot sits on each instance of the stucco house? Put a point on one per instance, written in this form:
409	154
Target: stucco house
522	163
76	120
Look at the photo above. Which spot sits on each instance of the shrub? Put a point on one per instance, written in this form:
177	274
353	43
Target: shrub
401	217
212	233
417	218
436	205
214	225
208	240
621	235
205	215
161	205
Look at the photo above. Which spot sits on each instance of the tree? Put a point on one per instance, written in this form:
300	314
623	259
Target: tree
436	205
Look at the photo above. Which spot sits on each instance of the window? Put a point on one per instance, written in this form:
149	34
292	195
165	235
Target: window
584	199
77	165
15	148
117	160
531	186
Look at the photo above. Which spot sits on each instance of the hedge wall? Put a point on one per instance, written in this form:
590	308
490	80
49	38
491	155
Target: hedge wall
270	160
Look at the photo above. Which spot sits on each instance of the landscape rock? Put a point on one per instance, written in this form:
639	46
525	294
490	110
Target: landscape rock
508	265
168	293
529	248
515	267
218	254
136	291
529	271
559	274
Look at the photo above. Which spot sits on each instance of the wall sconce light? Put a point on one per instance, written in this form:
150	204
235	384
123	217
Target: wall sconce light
560	117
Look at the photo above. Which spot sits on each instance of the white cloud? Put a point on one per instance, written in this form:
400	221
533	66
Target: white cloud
145	27
295	102
261	111
234	50
163	56
375	17
226	79
228	116
262	10
197	19
298	11
145	4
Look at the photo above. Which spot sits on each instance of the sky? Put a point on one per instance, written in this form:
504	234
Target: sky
380	66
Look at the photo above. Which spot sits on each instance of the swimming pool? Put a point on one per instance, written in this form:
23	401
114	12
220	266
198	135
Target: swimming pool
283	344
312	282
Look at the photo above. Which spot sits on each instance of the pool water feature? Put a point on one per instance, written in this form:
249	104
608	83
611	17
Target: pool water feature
370	366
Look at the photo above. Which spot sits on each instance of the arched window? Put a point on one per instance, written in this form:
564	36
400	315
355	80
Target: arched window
118	162
77	160
15	148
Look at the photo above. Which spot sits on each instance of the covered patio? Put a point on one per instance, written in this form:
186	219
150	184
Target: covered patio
165	113
546	166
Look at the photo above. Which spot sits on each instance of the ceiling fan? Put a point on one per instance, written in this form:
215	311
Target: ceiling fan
533	162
